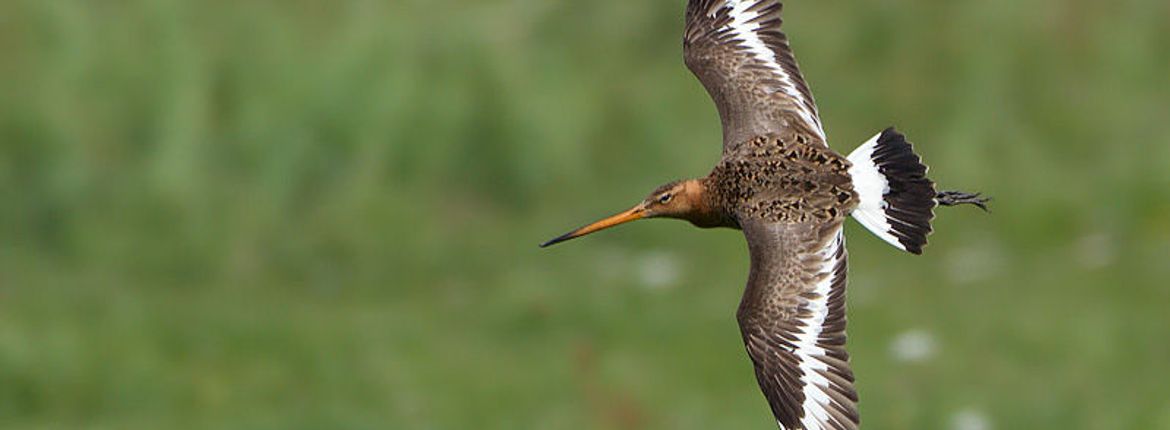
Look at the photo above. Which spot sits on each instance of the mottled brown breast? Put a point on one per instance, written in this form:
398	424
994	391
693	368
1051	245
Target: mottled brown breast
783	178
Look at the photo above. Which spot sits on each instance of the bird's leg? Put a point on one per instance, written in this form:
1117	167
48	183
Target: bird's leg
955	198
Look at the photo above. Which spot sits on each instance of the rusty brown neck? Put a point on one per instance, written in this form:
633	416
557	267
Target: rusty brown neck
705	210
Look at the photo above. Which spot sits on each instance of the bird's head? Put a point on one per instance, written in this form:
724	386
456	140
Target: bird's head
678	199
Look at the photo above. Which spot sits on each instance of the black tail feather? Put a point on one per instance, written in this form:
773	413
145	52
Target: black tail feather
911	197
897	200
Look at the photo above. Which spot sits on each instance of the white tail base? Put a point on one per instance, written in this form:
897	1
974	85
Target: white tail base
871	186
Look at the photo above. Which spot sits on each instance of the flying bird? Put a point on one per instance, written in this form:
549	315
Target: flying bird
780	183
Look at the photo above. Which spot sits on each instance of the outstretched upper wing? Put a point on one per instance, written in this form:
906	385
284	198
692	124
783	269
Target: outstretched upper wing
737	51
792	318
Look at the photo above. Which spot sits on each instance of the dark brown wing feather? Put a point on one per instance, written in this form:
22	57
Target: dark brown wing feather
736	49
792	318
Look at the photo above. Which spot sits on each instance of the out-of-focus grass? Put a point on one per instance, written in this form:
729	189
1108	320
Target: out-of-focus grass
308	214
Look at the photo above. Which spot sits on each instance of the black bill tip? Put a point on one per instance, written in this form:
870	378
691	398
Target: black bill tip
632	214
556	240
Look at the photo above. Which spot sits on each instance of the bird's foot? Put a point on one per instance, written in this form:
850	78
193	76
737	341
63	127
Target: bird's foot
955	198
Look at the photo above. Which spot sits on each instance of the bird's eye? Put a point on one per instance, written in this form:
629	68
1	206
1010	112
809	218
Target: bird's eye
665	198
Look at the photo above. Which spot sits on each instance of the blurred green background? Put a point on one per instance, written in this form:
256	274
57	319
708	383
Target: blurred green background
324	214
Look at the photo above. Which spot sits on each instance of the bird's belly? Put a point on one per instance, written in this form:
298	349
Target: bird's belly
782	190
800	199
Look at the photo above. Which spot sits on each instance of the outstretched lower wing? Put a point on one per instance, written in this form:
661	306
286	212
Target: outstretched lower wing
736	49
792	318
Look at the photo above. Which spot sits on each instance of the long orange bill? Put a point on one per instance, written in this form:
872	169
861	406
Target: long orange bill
633	214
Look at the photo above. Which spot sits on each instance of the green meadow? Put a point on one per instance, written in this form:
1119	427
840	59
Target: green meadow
310	214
